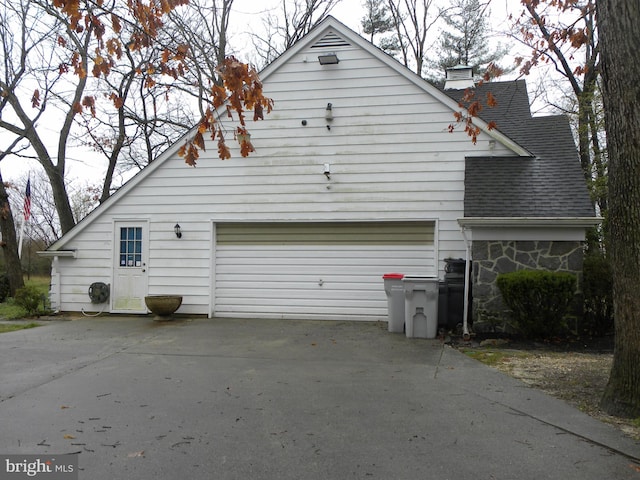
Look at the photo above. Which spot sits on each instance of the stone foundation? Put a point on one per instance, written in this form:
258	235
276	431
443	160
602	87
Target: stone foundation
491	258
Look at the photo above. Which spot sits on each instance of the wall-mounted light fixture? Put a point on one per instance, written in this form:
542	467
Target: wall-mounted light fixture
177	231
328	113
327	171
328	59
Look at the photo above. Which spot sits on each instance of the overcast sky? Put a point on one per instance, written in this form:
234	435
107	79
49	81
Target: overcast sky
247	16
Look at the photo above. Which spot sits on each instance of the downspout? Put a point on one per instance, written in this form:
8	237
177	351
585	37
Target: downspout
467	282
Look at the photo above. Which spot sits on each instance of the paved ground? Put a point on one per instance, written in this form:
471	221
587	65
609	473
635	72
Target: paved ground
263	399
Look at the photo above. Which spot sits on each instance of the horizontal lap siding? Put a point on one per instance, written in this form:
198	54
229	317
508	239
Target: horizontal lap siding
392	158
305	271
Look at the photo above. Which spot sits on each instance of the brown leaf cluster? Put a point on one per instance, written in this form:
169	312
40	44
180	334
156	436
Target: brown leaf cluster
471	106
543	37
240	91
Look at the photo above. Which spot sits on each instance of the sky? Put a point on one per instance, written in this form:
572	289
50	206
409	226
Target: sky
84	165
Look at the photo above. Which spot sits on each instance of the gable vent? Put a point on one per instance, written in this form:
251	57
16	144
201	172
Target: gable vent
331	40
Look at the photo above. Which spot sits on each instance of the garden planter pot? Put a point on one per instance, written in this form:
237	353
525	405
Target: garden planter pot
163	306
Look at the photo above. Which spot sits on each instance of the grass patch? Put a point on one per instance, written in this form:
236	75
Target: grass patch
493	357
13	327
10	311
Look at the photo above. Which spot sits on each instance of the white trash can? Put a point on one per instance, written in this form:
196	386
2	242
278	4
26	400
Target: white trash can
421	306
394	288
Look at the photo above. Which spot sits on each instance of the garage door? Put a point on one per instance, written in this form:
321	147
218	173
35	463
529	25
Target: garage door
315	270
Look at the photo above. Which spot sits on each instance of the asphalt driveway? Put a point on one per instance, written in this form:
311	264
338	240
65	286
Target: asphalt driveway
268	399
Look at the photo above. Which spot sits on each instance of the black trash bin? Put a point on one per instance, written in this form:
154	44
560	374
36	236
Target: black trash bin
451	311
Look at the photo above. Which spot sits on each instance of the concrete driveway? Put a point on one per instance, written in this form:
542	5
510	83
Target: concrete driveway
266	399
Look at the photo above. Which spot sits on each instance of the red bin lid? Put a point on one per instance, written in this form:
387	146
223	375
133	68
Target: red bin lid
396	276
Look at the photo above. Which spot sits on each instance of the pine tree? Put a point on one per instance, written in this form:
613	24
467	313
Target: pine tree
464	39
377	22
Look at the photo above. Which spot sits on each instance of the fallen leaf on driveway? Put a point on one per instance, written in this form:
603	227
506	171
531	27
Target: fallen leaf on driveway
68	436
136	454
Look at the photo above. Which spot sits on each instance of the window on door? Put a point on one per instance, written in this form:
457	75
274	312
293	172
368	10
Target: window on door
131	247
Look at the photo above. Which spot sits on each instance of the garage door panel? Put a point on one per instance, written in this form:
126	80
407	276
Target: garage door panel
339	280
290	284
295	312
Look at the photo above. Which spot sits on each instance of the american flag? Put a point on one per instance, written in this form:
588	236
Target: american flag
27	201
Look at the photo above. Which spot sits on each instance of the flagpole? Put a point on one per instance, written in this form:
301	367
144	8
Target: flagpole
21	237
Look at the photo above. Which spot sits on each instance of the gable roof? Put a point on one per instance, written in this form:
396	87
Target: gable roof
548	184
331	33
328	35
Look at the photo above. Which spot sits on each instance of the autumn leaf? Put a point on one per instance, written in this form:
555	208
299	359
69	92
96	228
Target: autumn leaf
223	149
245	146
198	140
258	113
90	103
117	100
491	100
35	98
190	154
115	24
181	52
474	109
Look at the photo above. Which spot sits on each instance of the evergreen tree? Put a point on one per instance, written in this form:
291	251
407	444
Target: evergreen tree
464	39
378	22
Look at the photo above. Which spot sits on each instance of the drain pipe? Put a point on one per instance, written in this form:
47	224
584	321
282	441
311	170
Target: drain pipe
467	282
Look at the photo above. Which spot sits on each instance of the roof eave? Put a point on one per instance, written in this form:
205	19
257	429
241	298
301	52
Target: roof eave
538	222
57	253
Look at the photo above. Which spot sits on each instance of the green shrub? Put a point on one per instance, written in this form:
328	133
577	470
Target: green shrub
5	287
598	295
29	298
538	300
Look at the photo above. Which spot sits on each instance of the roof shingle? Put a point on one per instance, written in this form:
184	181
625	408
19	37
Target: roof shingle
549	184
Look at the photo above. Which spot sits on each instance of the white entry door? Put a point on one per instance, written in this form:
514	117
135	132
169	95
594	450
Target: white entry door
130	278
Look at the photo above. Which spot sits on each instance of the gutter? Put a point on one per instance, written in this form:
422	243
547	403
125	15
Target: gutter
584	222
57	253
467	283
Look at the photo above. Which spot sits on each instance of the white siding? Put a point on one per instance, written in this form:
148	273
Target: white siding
328	270
311	282
391	156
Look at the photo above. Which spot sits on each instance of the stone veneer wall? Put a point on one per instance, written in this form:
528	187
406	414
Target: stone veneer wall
490	258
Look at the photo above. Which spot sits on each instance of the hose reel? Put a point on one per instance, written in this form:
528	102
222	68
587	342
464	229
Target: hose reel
99	292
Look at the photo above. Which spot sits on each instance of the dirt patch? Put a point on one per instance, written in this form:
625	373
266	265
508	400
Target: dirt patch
577	377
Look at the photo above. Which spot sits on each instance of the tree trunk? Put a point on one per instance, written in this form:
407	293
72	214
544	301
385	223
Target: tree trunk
9	242
60	197
619	39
